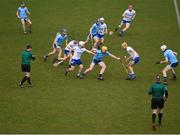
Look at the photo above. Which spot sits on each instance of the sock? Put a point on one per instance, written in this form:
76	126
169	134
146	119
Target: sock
165	79
100	75
29	80
24	79
69	66
132	75
160	117
153	117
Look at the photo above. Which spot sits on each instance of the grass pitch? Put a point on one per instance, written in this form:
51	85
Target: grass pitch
59	104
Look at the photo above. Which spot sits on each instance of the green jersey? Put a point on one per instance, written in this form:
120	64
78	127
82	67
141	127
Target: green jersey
157	90
26	57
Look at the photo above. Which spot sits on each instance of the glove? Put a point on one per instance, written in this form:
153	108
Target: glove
158	62
33	57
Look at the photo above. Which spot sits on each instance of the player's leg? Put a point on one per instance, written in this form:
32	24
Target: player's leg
131	71
71	67
119	26
80	70
164	71
26	69
103	68
154	112
160	106
30	25
88	38
51	53
23	26
89	69
127	25
96	41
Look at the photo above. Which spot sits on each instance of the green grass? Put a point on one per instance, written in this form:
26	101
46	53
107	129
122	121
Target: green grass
59	104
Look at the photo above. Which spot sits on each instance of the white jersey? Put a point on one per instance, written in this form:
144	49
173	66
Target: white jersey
71	44
128	15
78	51
102	28
133	54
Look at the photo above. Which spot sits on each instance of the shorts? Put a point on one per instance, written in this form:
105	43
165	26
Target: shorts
25	19
76	62
124	22
66	52
100	36
96	61
157	103
92	35
25	68
135	61
173	65
56	46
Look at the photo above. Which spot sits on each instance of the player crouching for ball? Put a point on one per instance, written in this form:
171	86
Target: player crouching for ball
26	58
134	59
97	59
76	58
170	57
159	94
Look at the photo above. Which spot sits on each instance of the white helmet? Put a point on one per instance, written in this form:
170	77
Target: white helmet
163	47
101	19
81	43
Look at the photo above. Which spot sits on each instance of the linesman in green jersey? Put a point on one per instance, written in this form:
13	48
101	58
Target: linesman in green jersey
159	94
26	58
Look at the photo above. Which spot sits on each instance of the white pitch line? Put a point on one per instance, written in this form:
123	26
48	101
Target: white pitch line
177	13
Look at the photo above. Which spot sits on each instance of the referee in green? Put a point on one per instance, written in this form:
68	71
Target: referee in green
26	58
159	94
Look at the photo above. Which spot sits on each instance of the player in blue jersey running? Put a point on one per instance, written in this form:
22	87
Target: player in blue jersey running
22	14
58	41
93	31
97	59
171	59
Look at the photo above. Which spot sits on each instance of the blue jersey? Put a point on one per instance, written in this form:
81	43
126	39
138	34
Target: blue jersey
99	55
23	12
170	56
60	39
94	29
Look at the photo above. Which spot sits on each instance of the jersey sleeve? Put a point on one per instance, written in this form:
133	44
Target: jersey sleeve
150	91
84	49
107	53
129	49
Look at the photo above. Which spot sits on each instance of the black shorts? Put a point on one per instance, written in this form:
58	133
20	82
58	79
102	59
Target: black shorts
157	103
26	68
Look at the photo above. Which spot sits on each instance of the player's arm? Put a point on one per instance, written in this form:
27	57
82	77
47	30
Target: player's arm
134	16
150	91
114	57
88	51
126	59
164	61
27	11
17	14
124	14
106	30
55	41
166	93
175	53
